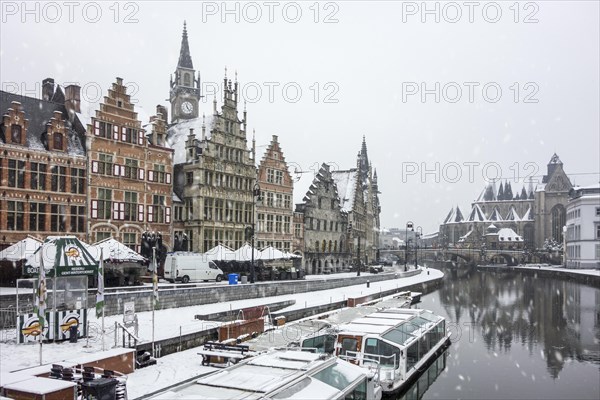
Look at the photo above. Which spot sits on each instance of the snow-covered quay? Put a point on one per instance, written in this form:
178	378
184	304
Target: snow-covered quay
171	322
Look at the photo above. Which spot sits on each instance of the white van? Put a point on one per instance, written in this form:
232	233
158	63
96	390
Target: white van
191	267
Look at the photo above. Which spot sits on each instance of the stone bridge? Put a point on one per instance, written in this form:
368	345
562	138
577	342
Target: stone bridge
471	256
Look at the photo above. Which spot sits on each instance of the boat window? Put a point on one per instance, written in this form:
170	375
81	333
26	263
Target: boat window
359	392
412	355
348	344
429	316
323	343
338	376
398	335
423	346
383	352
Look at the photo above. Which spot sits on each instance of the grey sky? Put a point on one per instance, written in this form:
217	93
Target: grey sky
368	61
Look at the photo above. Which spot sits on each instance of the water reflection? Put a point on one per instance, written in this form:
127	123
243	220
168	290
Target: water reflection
508	307
517	336
418	389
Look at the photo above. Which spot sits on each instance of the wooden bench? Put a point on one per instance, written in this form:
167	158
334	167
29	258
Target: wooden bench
213	352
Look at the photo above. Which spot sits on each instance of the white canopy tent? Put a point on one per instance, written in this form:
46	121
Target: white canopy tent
21	250
245	252
113	250
220	253
271	253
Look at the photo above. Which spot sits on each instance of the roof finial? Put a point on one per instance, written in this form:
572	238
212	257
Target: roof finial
236	75
226	72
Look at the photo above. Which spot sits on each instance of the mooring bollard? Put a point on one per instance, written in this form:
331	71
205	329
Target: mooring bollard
368	284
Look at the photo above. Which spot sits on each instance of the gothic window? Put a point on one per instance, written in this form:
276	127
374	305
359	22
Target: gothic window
558	221
218	209
186	79
208	209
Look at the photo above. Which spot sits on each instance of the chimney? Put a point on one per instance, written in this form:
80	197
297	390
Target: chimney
47	89
163	111
73	98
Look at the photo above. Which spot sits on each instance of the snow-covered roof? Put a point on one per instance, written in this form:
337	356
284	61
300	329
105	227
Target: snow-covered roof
527	216
178	133
496	216
477	214
508	235
463	238
346	187
512	215
455	215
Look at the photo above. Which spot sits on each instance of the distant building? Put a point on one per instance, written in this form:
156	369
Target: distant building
583	227
536	215
43	169
325	226
275	212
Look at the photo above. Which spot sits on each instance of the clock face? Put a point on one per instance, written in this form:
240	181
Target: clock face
187	107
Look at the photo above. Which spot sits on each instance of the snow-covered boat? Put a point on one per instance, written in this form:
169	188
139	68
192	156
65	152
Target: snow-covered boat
401	342
284	374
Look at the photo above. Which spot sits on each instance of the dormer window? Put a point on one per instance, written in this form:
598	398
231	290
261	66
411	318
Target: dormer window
119	104
57	139
15	133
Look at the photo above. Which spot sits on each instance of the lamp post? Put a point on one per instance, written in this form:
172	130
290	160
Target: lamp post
255	198
409	224
417	237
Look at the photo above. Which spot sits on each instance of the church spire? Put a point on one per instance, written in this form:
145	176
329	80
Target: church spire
185	59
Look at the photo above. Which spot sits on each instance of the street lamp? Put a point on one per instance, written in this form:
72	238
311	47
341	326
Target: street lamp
409	224
255	198
417	237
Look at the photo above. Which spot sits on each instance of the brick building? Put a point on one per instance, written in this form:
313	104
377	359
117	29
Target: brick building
275	213
130	170
42	165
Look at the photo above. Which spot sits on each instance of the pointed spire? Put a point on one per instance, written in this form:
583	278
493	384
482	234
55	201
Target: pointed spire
185	59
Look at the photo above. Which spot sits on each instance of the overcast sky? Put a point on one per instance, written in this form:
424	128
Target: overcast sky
514	83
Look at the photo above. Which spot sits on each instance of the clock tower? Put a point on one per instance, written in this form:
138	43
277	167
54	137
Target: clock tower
185	88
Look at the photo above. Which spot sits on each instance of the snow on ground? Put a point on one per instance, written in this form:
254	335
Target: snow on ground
176	367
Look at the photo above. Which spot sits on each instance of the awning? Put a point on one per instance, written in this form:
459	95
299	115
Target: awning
67	254
21	250
113	250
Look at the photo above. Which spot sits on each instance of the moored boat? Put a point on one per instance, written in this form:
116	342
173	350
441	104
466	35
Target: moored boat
284	374
401	342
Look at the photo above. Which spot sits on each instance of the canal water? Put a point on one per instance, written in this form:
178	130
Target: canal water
514	336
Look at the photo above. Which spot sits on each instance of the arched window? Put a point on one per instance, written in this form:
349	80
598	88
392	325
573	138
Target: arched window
330	245
316	245
186	79
335	248
528	235
558	221
324	246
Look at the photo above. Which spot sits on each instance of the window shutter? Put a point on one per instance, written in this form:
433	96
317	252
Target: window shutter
140	213
121	211
122	170
94	208
116	169
168	215
123	133
141	137
141	174
97	128
95	166
115	132
115	210
168	178
150	214
151	176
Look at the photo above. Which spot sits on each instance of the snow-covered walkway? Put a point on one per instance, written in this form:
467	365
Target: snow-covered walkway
177	367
